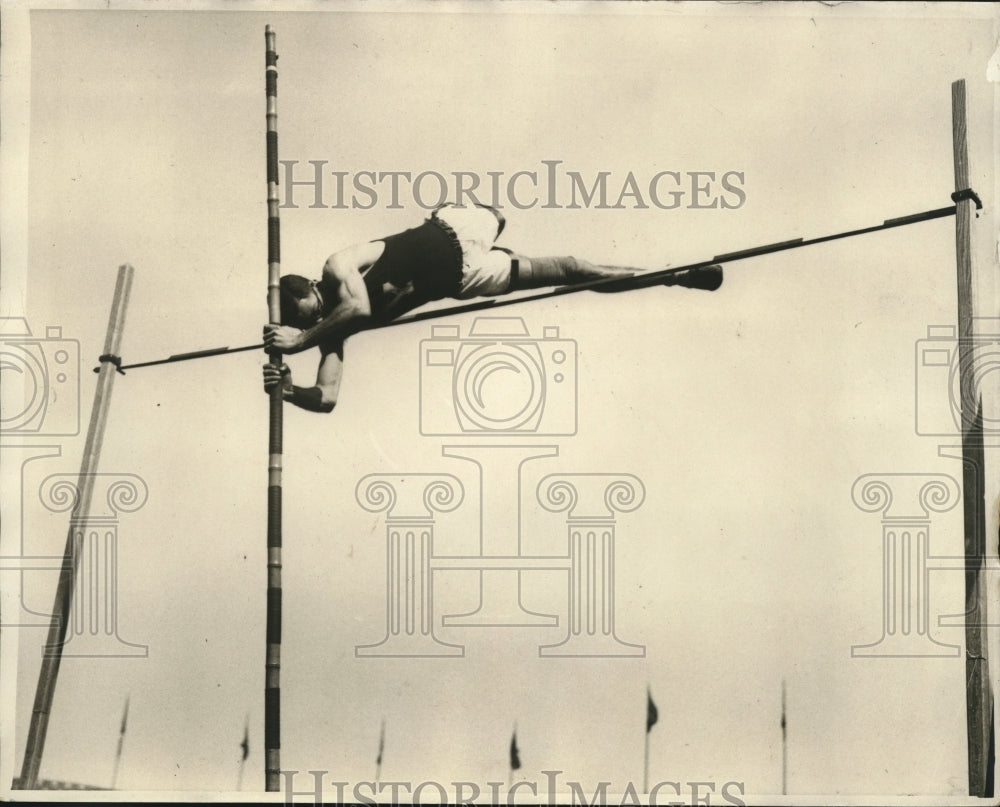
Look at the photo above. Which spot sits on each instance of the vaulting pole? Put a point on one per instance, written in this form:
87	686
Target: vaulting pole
272	666
52	651
979	694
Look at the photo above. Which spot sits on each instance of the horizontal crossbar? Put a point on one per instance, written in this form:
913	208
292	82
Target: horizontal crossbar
616	284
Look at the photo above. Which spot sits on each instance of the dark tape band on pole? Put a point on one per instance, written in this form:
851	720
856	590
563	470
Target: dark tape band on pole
115	360
967	193
274	616
272	714
273	239
272	157
274	516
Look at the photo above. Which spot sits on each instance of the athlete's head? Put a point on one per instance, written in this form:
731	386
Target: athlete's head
301	302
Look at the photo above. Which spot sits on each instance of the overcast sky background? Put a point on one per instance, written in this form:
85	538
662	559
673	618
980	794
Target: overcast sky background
747	413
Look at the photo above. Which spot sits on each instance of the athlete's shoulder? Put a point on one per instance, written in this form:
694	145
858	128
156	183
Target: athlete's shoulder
352	259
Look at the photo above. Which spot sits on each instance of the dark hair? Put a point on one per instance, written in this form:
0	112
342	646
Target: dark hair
293	289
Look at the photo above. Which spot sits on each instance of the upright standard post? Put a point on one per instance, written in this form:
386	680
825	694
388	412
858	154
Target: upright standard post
52	651
979	695
272	667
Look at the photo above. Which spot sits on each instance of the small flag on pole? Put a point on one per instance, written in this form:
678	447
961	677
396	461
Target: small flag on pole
515	757
121	743
381	748
652	715
244	752
784	743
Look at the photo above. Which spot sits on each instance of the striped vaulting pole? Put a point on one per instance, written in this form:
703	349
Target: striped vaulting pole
272	688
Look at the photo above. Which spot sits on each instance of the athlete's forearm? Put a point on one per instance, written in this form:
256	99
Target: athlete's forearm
309	398
344	320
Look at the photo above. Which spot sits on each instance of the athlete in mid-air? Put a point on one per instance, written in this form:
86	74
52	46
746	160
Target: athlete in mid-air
452	254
